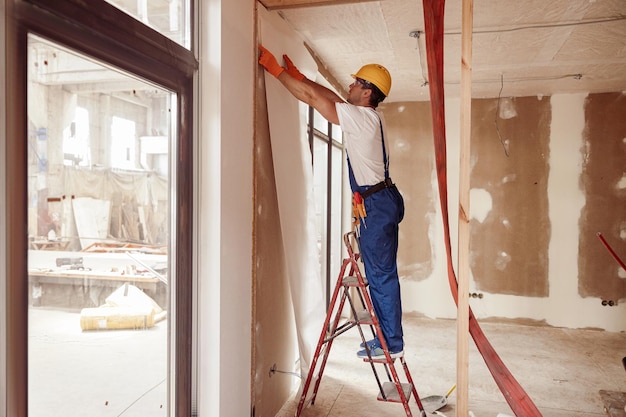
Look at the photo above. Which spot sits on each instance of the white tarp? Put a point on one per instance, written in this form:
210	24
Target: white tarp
294	184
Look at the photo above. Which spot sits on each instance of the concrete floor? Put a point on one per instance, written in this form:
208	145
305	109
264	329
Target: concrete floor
562	371
80	373
107	373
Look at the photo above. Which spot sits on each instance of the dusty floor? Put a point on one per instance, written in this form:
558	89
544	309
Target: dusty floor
121	373
562	371
80	373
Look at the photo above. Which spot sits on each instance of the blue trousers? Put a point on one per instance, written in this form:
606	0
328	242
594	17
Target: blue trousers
379	249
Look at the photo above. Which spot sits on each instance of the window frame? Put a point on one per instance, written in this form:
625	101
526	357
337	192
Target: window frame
102	31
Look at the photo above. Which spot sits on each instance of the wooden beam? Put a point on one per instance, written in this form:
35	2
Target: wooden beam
462	359
290	4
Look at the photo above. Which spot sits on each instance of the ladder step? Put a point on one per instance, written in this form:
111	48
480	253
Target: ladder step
364	317
391	392
352	281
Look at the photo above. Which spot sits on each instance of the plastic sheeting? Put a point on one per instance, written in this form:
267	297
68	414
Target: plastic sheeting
146	187
132	206
294	185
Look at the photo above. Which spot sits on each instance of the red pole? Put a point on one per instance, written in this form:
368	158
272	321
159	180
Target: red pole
611	251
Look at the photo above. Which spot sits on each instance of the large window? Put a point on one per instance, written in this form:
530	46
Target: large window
98	260
99	278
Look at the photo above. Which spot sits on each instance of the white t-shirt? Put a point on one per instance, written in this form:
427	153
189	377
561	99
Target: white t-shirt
363	141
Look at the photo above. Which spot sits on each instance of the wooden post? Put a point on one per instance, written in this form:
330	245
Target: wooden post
462	364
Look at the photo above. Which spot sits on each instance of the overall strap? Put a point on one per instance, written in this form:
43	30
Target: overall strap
387	182
385	159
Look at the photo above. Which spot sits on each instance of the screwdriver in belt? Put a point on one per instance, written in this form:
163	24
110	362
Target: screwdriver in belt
360	207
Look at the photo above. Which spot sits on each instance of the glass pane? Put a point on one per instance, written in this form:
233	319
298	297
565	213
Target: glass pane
336	235
320	175
320	123
169	17
337	133
99	188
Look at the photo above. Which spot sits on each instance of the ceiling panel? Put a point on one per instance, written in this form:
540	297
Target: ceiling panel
520	48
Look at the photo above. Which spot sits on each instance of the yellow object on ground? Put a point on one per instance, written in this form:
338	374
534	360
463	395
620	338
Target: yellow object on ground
126	308
107	317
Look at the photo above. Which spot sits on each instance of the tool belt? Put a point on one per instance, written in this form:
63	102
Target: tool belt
387	183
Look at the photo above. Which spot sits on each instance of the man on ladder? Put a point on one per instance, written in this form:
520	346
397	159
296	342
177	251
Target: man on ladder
368	165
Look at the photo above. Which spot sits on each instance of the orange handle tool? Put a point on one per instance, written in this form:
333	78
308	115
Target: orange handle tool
360	207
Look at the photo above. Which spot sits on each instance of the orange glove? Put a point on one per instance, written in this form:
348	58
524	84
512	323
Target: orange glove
292	69
268	61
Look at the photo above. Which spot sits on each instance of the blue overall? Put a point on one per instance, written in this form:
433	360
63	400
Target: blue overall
379	247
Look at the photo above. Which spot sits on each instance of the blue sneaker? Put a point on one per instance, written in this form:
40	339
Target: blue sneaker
378	353
374	343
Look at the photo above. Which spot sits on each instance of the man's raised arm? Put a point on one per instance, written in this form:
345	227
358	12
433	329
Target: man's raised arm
303	89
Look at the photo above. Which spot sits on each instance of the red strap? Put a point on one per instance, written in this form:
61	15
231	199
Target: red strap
516	397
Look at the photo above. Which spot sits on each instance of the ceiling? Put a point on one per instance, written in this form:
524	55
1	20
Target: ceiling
519	47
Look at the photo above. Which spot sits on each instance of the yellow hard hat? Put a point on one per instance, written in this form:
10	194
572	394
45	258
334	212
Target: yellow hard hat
377	75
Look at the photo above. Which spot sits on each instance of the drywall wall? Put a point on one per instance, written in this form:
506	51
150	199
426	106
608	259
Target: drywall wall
541	187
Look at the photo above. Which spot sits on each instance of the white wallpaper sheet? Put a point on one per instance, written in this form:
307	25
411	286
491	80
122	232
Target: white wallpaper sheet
294	184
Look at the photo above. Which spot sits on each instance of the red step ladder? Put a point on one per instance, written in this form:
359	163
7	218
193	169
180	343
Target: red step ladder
352	286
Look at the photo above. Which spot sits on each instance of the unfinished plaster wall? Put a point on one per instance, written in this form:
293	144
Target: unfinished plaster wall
603	181
509	168
540	189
